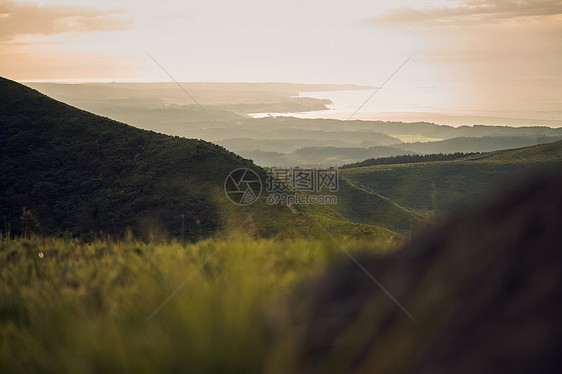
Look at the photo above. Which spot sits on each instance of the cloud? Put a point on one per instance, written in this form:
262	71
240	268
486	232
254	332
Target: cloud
30	18
467	12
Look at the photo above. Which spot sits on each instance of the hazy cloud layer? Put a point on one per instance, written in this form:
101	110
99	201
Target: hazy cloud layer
32	18
468	12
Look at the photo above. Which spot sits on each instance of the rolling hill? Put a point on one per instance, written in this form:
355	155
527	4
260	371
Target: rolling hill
361	205
64	171
284	141
451	186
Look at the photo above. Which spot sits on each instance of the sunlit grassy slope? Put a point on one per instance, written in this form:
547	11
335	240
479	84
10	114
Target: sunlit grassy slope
450	186
69	307
362	205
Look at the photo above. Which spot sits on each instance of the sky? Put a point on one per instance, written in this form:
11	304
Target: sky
470	56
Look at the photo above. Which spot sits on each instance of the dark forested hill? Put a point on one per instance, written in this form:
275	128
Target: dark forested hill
409	159
479	144
67	171
80	173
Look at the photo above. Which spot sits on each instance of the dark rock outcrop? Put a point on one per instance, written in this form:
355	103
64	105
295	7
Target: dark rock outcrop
485	291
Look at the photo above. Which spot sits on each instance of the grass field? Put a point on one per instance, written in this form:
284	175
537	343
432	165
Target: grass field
74	307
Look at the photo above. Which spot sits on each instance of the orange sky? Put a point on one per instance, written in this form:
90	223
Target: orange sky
472	55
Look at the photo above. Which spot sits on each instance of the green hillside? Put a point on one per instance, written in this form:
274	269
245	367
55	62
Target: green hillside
543	153
361	205
67	171
450	186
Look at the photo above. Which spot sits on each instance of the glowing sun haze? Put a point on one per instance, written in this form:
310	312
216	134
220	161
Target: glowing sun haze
472	55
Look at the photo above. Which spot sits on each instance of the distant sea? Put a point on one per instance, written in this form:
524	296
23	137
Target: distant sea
381	106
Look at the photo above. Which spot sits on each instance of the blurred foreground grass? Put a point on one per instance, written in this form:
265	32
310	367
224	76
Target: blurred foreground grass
66	306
